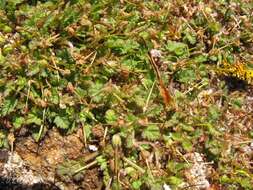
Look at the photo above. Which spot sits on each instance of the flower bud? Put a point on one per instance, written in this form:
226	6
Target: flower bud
116	140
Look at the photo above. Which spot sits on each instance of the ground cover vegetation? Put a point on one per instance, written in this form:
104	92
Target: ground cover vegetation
162	88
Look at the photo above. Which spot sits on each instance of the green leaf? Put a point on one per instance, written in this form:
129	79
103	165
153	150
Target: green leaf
21	83
137	184
242	173
95	91
177	137
168	140
201	58
186	127
62	122
2	4
18	122
214	112
68	168
122	46
111	116
224	179
173	180
214	147
32	118
87	130
130	63
187	145
245	182
237	103
2	58
191	38
180	49
86	114
3	139
33	70
152	132
54	98
8	106
175	167
14	2
102	162
214	27
186	76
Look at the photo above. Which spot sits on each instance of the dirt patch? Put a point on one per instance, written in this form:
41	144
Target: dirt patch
92	180
42	159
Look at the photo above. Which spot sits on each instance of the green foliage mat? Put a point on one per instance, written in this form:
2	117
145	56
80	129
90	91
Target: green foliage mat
84	63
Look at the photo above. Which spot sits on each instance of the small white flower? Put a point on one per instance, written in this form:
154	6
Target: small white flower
166	187
156	53
93	148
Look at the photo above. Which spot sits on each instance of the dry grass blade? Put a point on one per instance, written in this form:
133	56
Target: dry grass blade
167	98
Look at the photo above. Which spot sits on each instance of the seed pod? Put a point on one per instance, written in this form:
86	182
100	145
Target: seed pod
116	140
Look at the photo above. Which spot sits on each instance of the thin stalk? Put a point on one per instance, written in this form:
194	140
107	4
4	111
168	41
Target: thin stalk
116	164
148	98
105	133
85	167
118	98
149	170
28	94
134	165
91	63
109	184
42	126
182	156
91	156
84	137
